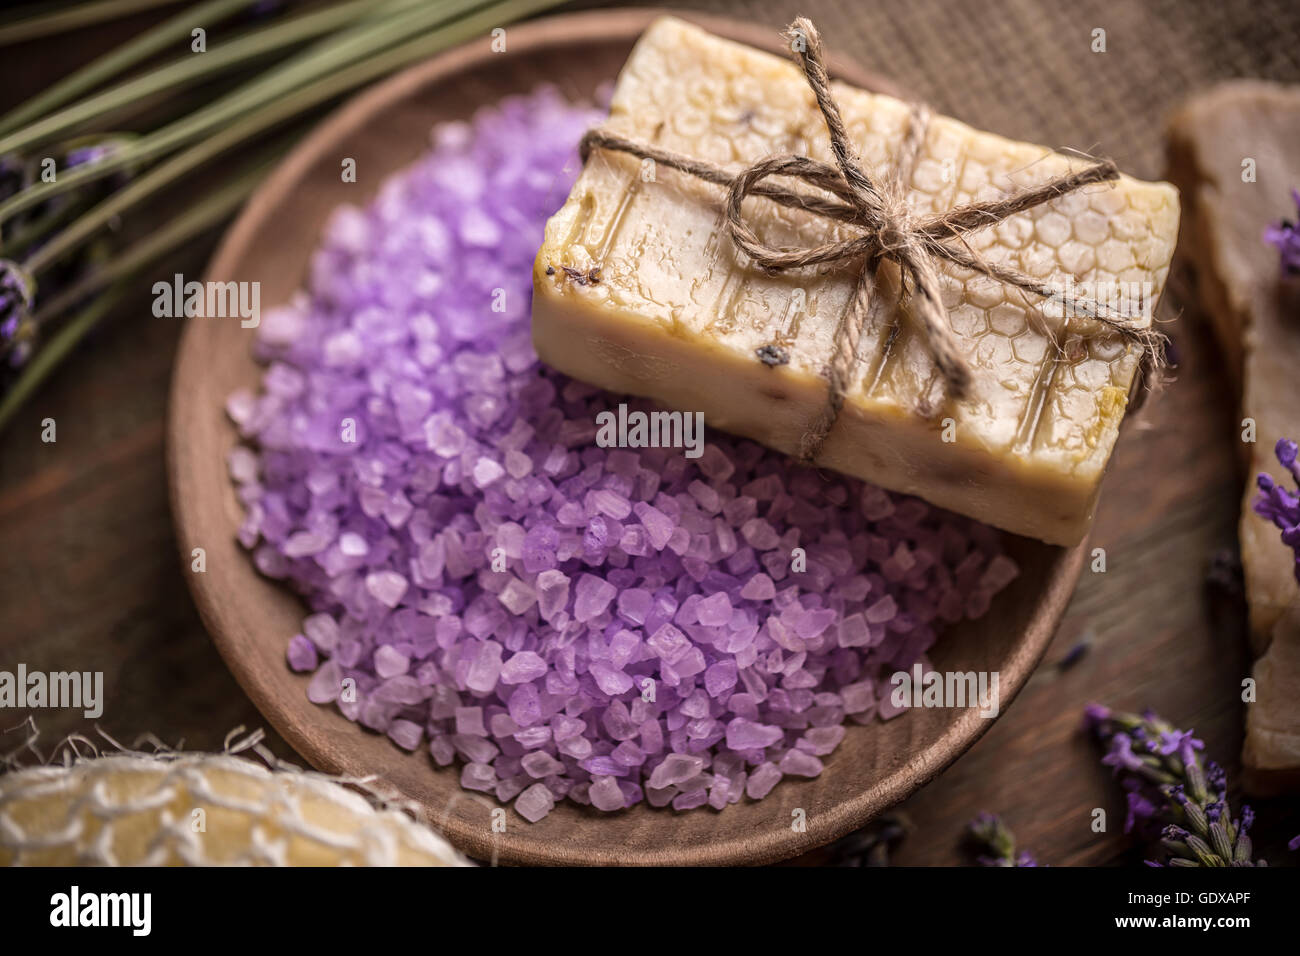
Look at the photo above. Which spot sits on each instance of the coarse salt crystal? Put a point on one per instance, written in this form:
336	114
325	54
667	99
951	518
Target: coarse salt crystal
535	802
302	654
387	587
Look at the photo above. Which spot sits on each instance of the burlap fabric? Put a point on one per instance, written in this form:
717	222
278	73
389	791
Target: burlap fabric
1026	68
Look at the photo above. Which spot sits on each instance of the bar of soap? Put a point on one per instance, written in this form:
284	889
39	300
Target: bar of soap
1270	753
1253	313
1256	317
639	288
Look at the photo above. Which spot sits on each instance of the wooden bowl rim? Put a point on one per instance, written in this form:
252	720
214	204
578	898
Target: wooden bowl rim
772	843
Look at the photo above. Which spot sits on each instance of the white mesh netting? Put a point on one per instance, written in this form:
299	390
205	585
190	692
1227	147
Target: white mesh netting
174	808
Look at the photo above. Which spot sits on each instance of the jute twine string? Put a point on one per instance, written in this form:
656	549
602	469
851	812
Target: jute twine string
889	231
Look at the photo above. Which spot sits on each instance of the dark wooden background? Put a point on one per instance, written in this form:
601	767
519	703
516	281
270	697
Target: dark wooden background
89	573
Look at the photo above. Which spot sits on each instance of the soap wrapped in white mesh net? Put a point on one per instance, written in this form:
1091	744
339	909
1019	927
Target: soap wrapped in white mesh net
190	809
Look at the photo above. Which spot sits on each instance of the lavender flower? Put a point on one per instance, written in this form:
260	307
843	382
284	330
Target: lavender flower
1075	653
1171	791
93	152
998	843
1280	506
1286	236
27	233
16	328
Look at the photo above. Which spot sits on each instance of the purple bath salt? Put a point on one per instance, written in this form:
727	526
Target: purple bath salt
606	794
566	621
535	802
746	735
302	654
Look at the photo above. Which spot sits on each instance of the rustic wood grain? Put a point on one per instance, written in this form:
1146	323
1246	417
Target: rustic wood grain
89	576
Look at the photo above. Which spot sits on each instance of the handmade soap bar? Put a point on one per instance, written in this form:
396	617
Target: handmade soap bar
1254	312
1238	278
639	288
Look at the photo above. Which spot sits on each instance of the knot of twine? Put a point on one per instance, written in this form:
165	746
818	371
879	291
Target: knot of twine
889	231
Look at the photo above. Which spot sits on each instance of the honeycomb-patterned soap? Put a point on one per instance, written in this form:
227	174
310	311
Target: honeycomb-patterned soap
200	810
639	288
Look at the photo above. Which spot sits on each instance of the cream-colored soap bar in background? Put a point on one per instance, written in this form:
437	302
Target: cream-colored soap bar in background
676	313
1254	314
1238	277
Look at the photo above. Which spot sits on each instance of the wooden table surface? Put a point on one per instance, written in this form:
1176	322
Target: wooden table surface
90	578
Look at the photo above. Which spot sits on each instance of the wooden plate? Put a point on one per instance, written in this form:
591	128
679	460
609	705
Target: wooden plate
251	618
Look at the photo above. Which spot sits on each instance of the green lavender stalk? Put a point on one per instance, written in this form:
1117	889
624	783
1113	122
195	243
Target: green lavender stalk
84	15
118	61
184	72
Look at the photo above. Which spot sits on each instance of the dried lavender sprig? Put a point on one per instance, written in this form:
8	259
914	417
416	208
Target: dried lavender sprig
17	328
238	51
457	26
368	45
996	842
1280	506
1171	788
101	290
1285	235
26	379
34	234
118	60
32	231
73	18
271	113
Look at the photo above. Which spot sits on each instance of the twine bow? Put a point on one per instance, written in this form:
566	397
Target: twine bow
889	231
